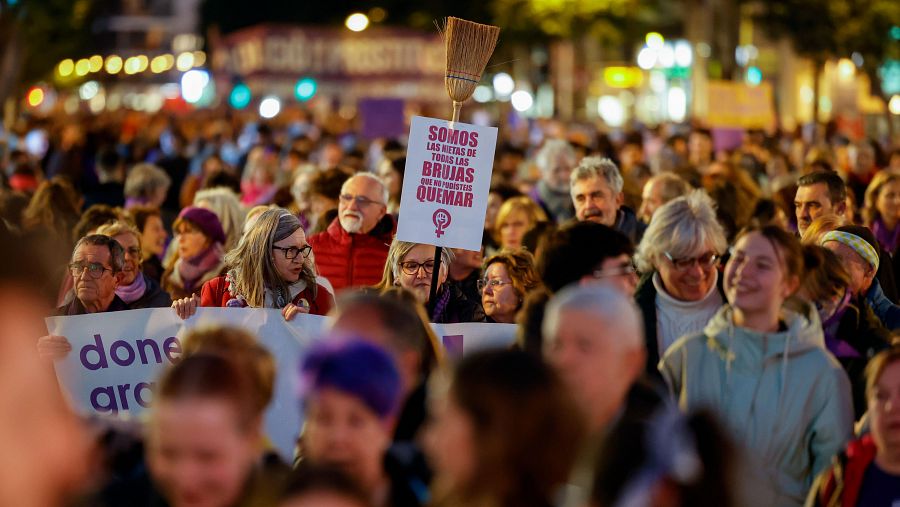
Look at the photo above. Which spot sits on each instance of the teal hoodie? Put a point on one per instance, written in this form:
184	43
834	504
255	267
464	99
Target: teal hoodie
782	395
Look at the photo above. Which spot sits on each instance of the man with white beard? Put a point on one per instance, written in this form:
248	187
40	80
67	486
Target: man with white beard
353	250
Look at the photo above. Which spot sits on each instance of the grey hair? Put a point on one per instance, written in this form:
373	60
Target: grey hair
144	179
551	151
225	204
598	167
373	178
684	227
671	185
116	252
622	317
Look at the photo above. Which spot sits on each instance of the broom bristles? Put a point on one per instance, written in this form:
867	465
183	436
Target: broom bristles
469	47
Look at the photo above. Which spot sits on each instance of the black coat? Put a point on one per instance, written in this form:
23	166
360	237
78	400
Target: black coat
645	297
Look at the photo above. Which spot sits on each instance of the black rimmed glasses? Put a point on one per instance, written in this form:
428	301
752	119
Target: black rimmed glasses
707	260
94	269
412	267
291	252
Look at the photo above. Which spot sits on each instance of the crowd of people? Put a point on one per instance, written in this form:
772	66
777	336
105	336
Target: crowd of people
695	324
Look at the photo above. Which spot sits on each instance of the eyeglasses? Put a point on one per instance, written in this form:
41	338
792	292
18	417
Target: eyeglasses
360	200
494	284
623	270
95	269
291	252
706	260
412	267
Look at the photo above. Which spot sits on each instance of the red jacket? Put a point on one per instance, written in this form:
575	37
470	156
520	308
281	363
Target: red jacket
839	485
353	260
215	294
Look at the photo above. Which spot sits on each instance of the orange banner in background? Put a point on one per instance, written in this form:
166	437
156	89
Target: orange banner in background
737	105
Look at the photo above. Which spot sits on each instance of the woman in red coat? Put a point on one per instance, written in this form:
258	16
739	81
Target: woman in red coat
270	268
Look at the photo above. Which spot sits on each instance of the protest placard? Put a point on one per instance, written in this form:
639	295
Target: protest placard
116	357
446	183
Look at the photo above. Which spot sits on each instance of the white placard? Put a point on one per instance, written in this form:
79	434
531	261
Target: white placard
446	183
116	357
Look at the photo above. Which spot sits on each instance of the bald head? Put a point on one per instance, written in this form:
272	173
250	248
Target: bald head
594	338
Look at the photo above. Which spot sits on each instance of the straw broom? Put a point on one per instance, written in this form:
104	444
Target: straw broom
469	47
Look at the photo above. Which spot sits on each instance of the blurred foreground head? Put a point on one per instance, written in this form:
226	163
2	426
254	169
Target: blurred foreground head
45	447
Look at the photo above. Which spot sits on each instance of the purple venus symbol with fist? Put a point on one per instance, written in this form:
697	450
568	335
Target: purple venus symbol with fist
441	219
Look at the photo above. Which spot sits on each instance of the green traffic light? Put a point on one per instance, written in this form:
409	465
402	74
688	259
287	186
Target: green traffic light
305	89
240	96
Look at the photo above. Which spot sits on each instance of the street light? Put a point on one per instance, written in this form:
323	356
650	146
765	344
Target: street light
357	22
503	84
521	101
269	107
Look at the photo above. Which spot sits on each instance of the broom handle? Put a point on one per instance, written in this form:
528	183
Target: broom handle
435	276
457	107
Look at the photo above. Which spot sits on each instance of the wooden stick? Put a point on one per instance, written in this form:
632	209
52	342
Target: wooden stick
435	277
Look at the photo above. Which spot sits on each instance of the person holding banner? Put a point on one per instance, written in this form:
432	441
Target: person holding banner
410	265
270	268
137	290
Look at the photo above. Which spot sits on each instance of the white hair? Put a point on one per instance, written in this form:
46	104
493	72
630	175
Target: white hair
684	227
370	177
551	151
225	204
621	317
598	167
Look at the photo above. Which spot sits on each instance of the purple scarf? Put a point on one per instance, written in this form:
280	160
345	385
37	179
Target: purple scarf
192	270
830	326
133	292
887	238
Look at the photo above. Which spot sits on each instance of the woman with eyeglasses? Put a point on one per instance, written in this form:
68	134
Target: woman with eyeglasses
271	267
508	278
411	265
680	289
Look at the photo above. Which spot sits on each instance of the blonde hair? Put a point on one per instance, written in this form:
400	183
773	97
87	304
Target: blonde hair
524	204
251	264
818	227
870	211
113	229
399	250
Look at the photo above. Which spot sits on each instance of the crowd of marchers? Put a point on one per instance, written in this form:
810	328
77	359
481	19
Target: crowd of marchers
697	323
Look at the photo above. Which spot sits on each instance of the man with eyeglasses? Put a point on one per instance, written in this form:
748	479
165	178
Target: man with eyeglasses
354	248
96	270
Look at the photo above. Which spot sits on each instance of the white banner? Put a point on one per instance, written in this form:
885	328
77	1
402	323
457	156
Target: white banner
446	183
116	357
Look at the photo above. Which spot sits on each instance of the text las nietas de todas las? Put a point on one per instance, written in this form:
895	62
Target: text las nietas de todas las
121	353
447	178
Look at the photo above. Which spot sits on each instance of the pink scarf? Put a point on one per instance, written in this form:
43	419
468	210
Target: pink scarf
192	270
133	292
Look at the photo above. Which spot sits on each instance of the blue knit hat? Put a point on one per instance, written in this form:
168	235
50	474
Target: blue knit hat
353	367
